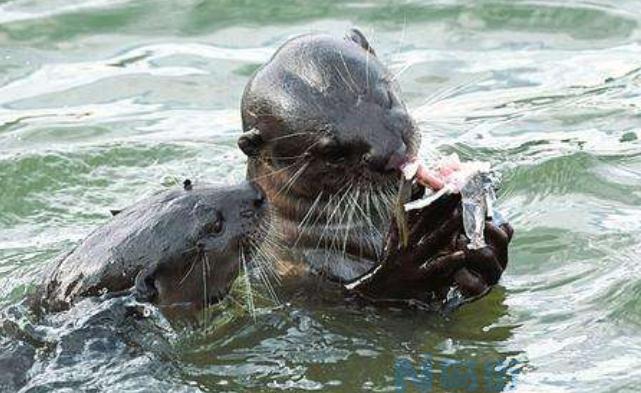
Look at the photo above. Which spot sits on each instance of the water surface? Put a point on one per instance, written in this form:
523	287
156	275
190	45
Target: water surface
104	101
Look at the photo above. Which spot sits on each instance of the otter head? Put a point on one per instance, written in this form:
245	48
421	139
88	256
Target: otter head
324	113
220	229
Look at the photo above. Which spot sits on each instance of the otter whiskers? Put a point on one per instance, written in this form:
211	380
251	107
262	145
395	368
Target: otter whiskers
286	187
249	296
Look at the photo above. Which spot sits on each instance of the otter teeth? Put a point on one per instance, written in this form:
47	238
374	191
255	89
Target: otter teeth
409	168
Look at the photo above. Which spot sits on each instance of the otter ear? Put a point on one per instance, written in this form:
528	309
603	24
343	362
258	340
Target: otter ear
187	185
250	142
358	37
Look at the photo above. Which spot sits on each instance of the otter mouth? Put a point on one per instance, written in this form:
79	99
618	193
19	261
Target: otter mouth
204	281
202	278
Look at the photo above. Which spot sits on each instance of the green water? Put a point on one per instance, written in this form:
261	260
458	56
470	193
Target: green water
102	102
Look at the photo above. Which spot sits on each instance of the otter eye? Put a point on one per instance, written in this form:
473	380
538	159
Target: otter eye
216	226
334	156
329	150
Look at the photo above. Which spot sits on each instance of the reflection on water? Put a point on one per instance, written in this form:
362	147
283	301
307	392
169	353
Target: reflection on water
104	101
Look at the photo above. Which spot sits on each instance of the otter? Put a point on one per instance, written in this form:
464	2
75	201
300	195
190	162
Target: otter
179	249
325	131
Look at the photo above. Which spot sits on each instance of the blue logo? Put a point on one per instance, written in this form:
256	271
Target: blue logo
455	375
